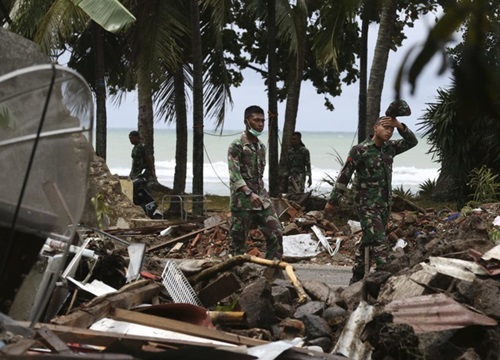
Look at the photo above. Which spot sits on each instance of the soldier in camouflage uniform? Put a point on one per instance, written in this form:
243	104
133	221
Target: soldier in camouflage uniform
372	160
251	206
142	162
298	165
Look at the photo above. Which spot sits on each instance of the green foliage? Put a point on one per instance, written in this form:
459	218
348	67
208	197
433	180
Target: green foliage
426	189
485	185
402	193
101	210
228	307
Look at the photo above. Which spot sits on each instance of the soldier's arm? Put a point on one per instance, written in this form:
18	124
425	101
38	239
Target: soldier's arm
233	160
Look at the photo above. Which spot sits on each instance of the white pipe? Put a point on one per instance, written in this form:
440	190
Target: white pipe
60	245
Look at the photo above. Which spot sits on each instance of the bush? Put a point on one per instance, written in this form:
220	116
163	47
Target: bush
484	185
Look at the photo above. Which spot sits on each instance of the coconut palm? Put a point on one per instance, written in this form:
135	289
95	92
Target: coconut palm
198	66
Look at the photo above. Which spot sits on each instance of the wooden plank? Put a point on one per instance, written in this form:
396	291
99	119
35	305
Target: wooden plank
101	306
75	335
182	327
52	341
181	238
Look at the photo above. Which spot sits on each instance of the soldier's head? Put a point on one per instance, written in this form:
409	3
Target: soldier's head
296	140
134	137
382	129
254	120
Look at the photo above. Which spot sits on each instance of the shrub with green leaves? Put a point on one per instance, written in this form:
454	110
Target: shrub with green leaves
426	189
484	184
402	193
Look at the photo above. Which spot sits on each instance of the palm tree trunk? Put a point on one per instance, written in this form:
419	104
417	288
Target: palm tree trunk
145	101
363	75
197	109
181	141
293	86
100	92
181	132
379	64
272	100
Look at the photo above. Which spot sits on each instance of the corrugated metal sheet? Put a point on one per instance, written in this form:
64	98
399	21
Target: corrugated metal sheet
435	312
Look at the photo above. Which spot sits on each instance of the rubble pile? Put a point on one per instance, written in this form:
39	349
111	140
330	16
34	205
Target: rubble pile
145	288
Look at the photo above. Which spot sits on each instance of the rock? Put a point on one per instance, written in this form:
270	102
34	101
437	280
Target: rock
283	311
310	308
281	294
316	326
374	282
256	301
352	295
320	291
334	315
485	297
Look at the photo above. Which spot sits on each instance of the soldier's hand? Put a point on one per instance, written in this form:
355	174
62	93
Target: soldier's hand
255	200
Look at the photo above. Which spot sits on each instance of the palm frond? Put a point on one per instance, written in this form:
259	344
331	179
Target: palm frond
110	14
333	15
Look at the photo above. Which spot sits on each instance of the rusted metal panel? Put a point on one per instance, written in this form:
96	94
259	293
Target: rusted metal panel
435	312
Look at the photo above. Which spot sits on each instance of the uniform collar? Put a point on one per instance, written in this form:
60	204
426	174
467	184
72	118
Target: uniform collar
246	141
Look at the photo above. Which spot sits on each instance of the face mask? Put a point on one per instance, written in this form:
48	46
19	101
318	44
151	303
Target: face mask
254	132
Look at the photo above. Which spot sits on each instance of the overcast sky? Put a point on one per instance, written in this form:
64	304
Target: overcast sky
313	115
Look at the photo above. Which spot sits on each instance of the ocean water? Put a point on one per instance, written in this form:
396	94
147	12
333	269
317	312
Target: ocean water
410	169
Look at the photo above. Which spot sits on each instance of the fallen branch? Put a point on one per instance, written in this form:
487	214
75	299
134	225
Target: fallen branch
409	203
238	260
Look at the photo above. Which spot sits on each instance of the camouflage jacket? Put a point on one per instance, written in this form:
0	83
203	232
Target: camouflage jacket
373	166
299	161
139	162
246	162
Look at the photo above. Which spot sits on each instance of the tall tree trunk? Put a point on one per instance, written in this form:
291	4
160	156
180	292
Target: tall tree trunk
145	113
181	144
197	109
379	64
272	100
363	72
100	92
181	140
293	86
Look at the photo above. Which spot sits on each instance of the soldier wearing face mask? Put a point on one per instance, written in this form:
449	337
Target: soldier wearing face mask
251	206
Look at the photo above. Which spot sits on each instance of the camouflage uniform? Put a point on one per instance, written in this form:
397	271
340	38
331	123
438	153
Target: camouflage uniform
246	161
298	167
373	184
139	162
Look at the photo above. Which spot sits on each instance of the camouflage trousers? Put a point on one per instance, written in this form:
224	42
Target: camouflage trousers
296	183
373	224
266	221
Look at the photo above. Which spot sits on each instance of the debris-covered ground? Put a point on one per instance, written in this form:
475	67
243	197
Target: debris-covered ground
176	292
